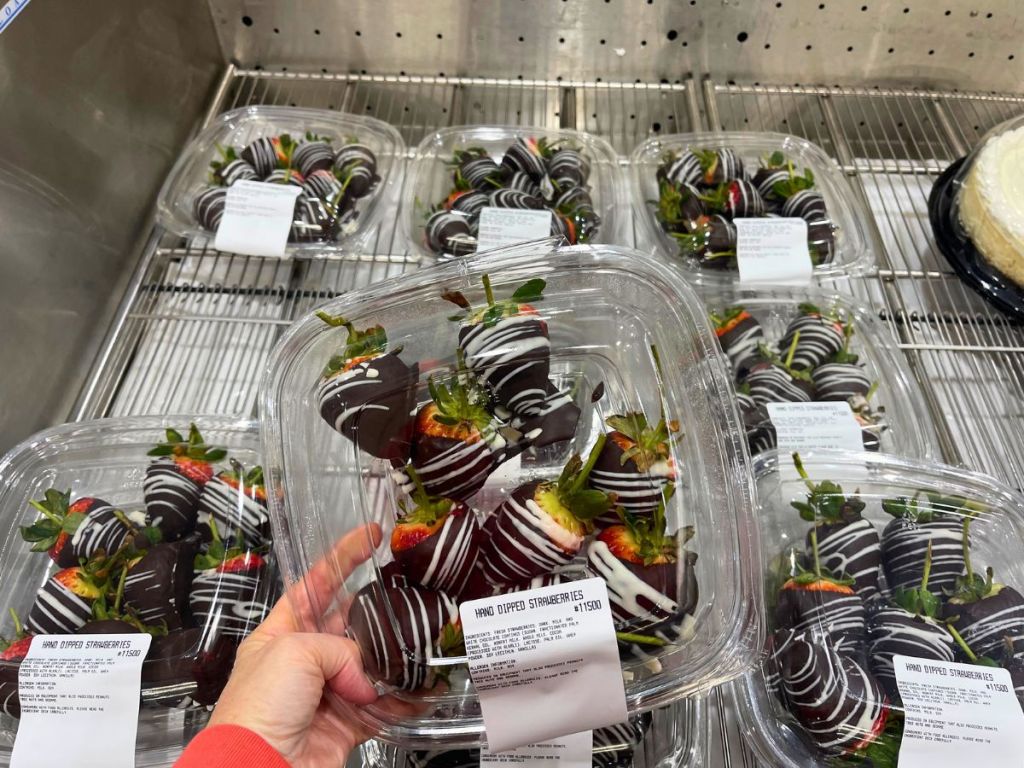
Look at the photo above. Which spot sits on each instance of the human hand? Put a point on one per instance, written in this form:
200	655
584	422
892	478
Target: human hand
281	674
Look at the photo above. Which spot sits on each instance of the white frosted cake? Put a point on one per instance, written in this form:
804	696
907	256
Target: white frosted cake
992	203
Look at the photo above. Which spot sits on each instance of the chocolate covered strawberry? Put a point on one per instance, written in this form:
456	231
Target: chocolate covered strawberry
174	481
986	615
543	524
842	378
635	463
919	522
232	589
816	601
70	531
679	207
718	165
909	626
437	541
157	584
840	705
847	543
64	602
651	580
399	630
456	442
737	198
236	500
757	424
614	745
367	393
506	345
813	337
12	651
741	338
711	241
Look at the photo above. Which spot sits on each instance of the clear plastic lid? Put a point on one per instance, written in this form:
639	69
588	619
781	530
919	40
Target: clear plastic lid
826	692
458	171
347	166
604	310
842	354
159	515
668	737
688	187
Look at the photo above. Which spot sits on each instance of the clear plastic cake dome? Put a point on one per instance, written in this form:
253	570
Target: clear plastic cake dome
207	599
977	213
628	338
825	692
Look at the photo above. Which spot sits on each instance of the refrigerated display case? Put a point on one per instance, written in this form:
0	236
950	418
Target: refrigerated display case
142	321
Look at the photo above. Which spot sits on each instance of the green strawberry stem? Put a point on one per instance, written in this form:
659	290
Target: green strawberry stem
967	549
871	390
799	464
814	552
595	452
630	637
927	566
417	481
488	292
336	321
971	655
119	595
792	351
19	630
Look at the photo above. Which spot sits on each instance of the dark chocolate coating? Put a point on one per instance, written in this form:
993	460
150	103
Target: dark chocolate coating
511	198
312	156
172	498
322	185
231	604
684	169
481	173
988	624
741	343
445	559
354	155
837	701
520	181
235	170
397	652
57	610
550	420
636	491
99	530
839	616
371	404
851	550
208	207
765	179
522	156
896	631
470	205
261	154
805	204
820	338
446	230
453	468
904	544
234	509
743	200
770	383
157	586
839	382
516	546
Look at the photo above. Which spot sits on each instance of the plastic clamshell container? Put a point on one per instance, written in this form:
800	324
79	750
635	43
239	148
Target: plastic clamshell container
604	307
239	127
672	737
106	459
909	430
853	254
996	534
429	177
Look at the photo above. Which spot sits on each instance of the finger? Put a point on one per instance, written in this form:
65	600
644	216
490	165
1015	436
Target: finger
308	599
342	668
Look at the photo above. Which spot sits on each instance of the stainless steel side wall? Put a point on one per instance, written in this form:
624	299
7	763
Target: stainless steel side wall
96	98
965	44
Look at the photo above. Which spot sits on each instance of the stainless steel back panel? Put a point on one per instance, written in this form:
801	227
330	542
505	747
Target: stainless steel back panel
95	103
945	43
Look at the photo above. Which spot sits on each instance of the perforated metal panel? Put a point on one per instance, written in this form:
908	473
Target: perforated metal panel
966	44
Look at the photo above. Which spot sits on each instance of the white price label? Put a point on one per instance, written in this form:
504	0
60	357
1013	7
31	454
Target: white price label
815	426
257	218
957	715
773	251
73	688
572	751
544	662
10	11
500	227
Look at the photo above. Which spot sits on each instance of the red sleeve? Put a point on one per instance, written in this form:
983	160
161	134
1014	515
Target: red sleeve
230	746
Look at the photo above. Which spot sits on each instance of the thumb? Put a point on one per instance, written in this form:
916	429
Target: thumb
342	667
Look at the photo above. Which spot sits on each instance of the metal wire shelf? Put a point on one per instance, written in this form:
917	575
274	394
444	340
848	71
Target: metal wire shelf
196	326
